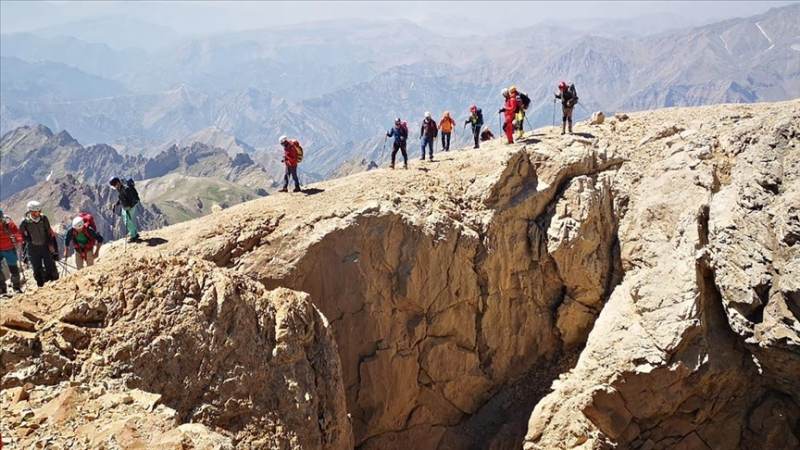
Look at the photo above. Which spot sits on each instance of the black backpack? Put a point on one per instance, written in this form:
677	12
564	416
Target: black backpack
572	101
524	100
479	113
131	188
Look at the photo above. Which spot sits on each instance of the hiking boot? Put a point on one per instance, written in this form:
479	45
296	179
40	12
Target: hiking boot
284	190
405	166
422	159
134	239
391	166
297	189
475	146
562	132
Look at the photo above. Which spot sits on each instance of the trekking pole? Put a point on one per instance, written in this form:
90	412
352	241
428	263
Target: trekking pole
584	109
383	150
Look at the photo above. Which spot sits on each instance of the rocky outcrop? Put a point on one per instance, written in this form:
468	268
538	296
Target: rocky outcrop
698	347
632	288
213	347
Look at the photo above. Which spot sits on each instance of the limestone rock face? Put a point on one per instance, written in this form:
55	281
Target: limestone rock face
214	348
698	346
632	287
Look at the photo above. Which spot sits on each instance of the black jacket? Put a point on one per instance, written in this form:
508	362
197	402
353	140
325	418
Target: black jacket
127	196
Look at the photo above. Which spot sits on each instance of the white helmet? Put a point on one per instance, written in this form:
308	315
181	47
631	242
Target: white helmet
33	205
283	139
427	115
504	92
77	223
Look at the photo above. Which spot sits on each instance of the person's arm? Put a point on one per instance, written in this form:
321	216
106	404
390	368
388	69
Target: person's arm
67	241
390	133
98	241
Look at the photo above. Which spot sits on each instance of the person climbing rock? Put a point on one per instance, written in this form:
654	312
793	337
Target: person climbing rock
569	98
292	155
509	110
400	135
427	133
40	244
127	199
446	126
486	135
85	239
10	247
476	122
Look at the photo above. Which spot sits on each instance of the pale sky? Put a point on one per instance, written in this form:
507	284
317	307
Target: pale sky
202	17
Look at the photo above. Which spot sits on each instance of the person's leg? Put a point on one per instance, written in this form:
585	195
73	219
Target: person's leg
569	118
51	271
476	134
294	177
286	179
422	147
449	136
405	154
10	257
3	289
78	261
129	216
395	148
563	118
89	258
508	128
430	148
37	264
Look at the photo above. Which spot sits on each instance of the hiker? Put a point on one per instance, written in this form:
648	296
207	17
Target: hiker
569	98
84	237
476	121
427	133
10	247
509	109
446	126
292	154
487	135
400	135
523	101
128	198
41	244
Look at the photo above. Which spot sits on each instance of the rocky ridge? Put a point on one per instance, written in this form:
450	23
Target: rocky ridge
656	254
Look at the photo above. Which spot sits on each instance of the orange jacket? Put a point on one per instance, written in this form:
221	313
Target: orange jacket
446	124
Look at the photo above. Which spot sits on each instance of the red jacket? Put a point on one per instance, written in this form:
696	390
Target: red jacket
290	154
8	229
510	108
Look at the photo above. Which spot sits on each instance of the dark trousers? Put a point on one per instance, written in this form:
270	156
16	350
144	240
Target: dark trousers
476	134
445	141
291	170
402	147
44	266
427	142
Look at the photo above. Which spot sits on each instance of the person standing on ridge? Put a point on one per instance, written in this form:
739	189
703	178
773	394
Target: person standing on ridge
292	155
400	135
568	98
509	110
85	239
476	121
40	241
427	133
127	199
523	101
10	247
446	126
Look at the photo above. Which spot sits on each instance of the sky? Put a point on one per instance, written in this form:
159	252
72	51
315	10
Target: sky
206	17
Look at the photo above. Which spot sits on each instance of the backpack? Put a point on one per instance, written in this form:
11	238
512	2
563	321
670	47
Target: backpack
88	220
524	100
404	129
299	149
479	113
574	99
132	191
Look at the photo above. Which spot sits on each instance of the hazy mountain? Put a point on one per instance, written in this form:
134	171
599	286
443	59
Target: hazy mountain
33	154
255	85
49	81
118	32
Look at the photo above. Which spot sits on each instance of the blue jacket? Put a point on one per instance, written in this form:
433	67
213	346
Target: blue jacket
398	133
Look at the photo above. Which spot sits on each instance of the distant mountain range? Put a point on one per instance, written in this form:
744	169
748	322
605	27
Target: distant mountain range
338	85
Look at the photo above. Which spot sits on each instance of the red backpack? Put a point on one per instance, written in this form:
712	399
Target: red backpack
88	222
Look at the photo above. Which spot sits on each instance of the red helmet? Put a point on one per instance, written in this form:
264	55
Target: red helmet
473	108
562	86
